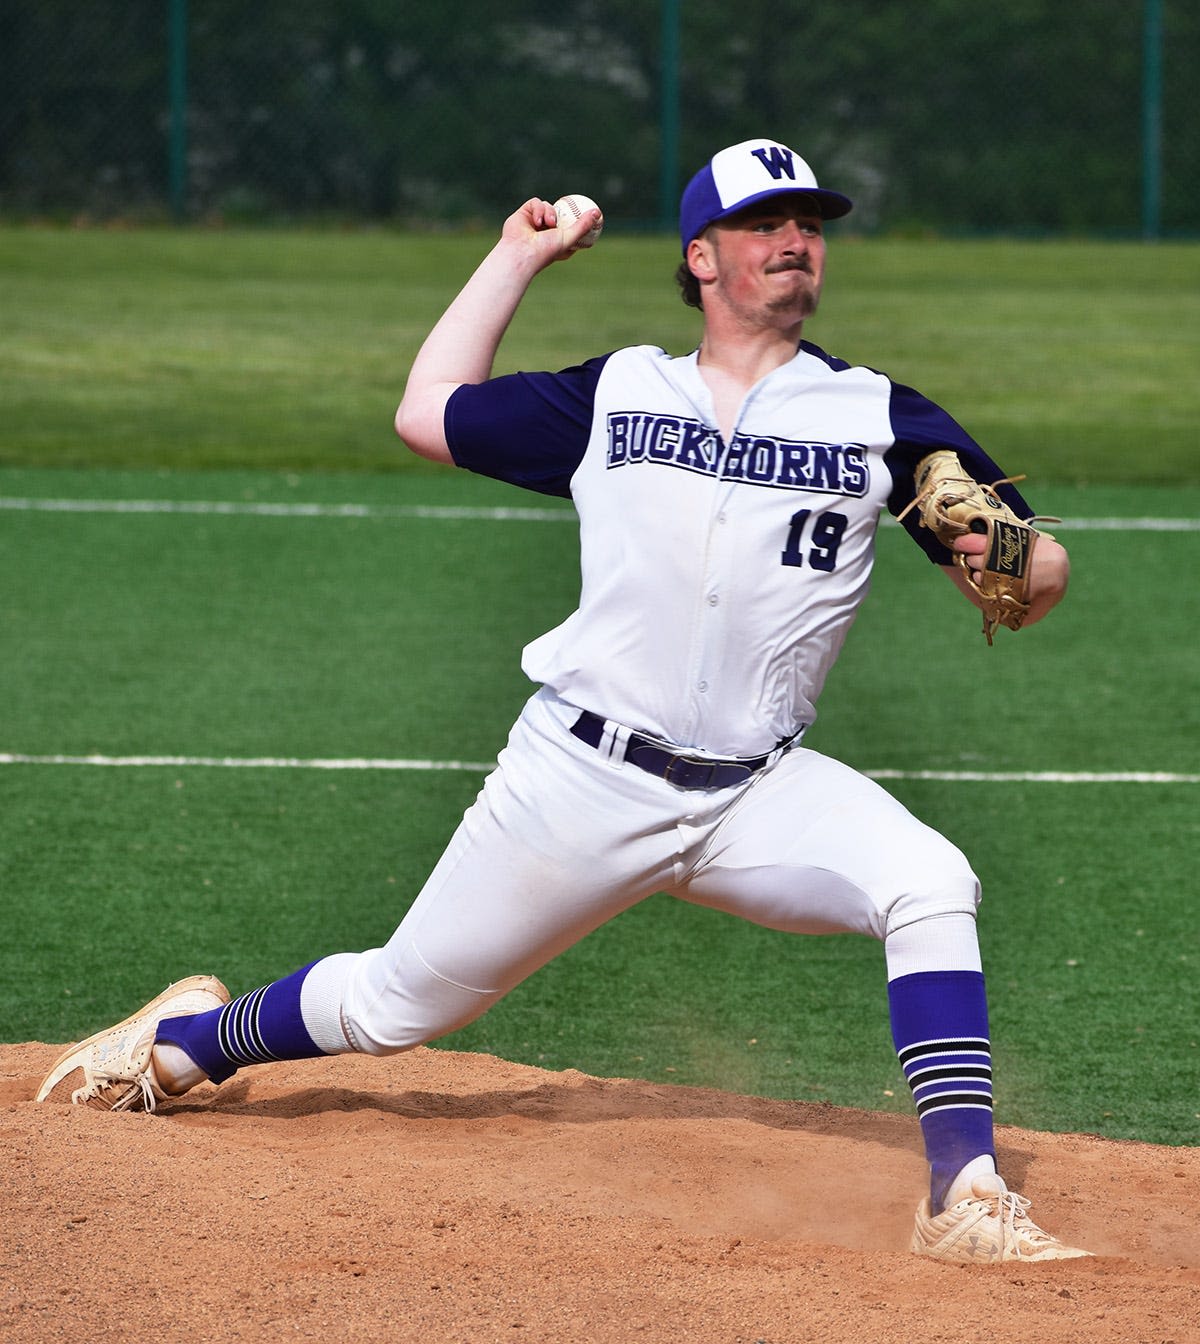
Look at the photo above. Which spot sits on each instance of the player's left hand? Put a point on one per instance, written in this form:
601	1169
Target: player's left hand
1049	572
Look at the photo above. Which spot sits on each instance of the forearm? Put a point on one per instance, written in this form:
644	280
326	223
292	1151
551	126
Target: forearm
462	346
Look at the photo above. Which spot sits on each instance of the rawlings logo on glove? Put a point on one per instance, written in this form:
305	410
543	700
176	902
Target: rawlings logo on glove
951	504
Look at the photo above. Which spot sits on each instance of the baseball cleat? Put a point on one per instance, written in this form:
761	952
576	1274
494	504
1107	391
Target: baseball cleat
990	1226
114	1069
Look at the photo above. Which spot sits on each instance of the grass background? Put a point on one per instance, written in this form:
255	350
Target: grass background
1075	360
266	367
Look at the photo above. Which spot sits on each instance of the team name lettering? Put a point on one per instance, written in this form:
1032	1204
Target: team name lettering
670	440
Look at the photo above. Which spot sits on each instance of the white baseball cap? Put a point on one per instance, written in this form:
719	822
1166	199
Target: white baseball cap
743	174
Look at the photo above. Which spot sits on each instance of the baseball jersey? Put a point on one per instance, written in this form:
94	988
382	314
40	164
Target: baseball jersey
718	578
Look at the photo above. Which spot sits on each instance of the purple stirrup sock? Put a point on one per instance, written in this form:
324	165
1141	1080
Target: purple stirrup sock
256	1028
940	1030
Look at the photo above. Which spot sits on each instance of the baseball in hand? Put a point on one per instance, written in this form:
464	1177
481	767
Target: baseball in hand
569	209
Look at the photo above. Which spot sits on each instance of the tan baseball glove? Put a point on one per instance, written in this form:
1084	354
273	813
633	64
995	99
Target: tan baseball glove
951	504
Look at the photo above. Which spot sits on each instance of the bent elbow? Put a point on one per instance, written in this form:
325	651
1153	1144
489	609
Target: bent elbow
402	423
420	426
408	429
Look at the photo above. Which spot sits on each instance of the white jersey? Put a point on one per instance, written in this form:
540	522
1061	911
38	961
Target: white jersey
719	579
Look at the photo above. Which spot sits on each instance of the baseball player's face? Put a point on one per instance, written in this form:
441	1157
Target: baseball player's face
770	259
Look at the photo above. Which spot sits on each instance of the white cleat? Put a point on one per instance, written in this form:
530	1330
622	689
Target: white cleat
991	1225
114	1069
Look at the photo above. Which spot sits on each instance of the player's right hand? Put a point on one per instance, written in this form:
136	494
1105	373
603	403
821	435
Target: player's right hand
534	226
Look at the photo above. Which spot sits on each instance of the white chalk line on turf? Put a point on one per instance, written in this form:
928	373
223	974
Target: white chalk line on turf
480	767
1039	776
244	762
222	508
230	508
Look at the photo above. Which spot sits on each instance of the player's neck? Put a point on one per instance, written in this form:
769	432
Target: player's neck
747	346
732	362
730	370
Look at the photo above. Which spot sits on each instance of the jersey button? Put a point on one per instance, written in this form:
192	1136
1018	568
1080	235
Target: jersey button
702	686
713	599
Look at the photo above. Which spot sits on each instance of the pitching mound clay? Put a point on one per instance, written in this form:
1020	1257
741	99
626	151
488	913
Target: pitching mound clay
451	1197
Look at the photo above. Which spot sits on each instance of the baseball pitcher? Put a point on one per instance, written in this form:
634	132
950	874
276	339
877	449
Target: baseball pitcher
728	502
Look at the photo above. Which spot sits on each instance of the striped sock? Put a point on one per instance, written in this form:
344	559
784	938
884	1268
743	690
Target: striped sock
256	1028
940	1030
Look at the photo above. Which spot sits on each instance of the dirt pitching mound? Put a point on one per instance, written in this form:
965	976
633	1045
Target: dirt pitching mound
452	1197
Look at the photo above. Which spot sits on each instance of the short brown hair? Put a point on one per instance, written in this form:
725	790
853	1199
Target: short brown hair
689	286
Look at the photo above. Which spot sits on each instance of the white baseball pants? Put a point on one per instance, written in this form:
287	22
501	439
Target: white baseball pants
562	838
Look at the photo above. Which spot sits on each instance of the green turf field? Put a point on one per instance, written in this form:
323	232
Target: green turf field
1075	360
253	370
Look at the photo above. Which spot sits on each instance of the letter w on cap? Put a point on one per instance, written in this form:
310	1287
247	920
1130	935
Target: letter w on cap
776	160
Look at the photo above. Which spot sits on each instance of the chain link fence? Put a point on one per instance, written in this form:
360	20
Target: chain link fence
947	115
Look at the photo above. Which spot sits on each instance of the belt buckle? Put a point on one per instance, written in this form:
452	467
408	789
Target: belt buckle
712	772
689	763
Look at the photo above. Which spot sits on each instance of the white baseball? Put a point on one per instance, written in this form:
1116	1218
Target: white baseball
571	208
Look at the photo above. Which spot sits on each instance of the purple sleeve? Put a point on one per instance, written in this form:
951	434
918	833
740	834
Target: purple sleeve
919	426
530	429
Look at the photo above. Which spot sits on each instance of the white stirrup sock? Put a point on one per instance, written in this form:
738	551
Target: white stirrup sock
960	1187
175	1069
940	943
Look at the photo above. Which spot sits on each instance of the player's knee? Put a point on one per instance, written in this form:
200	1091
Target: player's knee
944	885
393	1026
392	1007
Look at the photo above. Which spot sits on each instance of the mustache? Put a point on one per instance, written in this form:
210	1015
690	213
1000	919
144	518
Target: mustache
790	264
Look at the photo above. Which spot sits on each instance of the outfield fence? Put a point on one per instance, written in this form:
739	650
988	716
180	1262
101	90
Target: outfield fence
950	115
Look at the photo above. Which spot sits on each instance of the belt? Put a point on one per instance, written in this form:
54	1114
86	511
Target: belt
685	772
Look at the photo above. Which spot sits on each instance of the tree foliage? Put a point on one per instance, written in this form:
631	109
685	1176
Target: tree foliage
949	114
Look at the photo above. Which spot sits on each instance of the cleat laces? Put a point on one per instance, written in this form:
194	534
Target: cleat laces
1017	1229
129	1096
